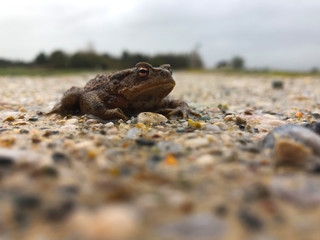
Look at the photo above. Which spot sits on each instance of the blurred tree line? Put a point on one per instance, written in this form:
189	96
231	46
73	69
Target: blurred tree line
237	63
91	60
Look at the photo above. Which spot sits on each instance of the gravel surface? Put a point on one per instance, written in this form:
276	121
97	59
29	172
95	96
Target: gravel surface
79	177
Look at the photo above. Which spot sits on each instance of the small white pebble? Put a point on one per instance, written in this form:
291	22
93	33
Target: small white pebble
149	117
205	160
212	128
72	121
109	125
68	128
112	131
197	142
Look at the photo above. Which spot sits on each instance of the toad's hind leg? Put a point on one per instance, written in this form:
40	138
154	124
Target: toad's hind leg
70	102
91	103
176	108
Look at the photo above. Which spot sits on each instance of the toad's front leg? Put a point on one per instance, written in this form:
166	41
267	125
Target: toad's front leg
91	103
176	108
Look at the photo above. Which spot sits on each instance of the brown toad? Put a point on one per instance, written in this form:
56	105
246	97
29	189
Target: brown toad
125	93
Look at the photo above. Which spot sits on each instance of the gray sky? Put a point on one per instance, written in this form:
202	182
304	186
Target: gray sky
282	34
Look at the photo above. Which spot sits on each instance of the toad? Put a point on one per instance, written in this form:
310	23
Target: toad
125	93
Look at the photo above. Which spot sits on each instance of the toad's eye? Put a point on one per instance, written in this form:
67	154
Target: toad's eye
143	71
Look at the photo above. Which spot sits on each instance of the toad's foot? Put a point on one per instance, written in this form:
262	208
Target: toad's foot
178	112
177	109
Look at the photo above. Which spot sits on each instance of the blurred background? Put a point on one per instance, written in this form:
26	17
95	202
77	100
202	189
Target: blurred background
253	35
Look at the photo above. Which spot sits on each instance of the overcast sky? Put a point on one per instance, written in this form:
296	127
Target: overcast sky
282	34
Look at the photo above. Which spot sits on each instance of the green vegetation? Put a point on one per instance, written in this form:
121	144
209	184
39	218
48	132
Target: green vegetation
59	62
27	71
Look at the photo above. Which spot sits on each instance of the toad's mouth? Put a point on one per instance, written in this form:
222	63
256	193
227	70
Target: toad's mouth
150	92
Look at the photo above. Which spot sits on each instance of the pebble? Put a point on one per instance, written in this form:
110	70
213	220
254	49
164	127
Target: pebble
33	119
221	210
277	84
181	130
109	125
316	115
205	118
5	160
133	133
5	129
197	142
169	147
59	211
194	124
24	131
49	133
198	226
20	156
10	156
90	121
9	119
212	128
149	117
205	160
144	142
171	160
248	111
240	119
250	220
229	118
27	201
72	121
223	107
272	122
68	128
47	171
315	127
112	131
298	189
292	144
59	157
314	167
153	161
116	222
291	152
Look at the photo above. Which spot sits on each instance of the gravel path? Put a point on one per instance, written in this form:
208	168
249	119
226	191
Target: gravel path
83	178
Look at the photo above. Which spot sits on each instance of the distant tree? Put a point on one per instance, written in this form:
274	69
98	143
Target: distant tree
9	63
5	63
222	64
91	59
41	59
128	60
87	60
237	63
314	70
177	61
58	59
111	61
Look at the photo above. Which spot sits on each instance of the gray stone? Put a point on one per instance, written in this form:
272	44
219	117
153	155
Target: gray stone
211	128
200	226
133	133
169	147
